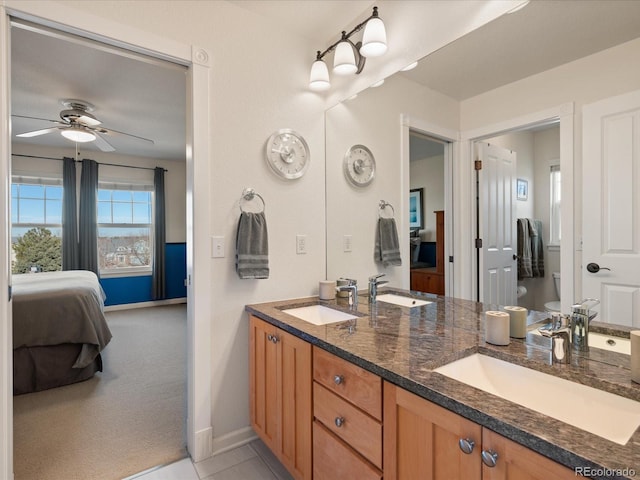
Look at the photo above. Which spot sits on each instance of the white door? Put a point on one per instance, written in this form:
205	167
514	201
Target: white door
498	268
611	207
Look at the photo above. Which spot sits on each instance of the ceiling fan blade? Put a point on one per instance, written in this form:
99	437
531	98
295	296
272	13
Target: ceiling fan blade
103	144
36	133
41	119
109	131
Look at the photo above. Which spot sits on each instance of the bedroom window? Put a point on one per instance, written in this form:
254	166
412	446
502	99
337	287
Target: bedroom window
125	228
36	224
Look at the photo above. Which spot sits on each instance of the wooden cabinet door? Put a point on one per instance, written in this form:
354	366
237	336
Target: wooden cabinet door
294	384
280	395
516	462
262	381
421	440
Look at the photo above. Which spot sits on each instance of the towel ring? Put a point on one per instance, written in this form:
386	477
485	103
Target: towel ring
249	194
384	204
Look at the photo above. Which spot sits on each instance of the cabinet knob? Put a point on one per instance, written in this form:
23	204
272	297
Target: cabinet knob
338	379
489	458
274	338
466	445
339	421
270	337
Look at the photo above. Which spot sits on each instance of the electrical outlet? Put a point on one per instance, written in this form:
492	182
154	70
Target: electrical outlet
347	242
217	247
301	244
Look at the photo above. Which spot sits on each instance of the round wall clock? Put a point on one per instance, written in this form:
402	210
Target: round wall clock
359	166
287	154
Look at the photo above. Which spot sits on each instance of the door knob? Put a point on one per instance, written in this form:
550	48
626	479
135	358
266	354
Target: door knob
489	458
595	268
466	445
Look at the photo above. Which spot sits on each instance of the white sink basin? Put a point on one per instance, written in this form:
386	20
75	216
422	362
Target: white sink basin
319	314
605	342
402	301
602	413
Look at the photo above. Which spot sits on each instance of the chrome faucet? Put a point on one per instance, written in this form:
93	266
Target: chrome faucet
373	286
352	288
558	331
581	316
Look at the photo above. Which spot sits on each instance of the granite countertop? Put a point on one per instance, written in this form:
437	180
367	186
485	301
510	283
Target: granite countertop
404	346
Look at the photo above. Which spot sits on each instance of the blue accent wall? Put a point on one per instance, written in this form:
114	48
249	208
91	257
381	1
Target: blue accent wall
123	290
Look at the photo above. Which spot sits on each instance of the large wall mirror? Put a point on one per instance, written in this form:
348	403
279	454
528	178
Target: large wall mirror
446	96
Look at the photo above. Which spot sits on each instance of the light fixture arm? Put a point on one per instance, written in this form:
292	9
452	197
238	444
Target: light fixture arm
346	36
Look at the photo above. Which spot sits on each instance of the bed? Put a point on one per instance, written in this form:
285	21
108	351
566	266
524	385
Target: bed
59	329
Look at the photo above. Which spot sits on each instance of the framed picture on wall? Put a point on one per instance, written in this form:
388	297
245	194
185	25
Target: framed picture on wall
522	189
416	216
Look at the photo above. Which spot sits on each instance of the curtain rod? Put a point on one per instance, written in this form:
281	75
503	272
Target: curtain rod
80	161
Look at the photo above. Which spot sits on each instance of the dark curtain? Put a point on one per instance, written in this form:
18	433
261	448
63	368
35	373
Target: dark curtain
69	216
158	288
88	238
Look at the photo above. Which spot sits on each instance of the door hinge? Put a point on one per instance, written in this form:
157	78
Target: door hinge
10	293
478	243
450	258
477	165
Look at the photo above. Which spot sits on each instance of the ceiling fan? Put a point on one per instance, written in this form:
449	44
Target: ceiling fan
78	124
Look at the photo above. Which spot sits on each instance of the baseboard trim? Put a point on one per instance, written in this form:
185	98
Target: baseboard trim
203	447
153	303
233	440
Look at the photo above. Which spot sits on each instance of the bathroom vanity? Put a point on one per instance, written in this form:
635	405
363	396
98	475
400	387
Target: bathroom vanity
361	398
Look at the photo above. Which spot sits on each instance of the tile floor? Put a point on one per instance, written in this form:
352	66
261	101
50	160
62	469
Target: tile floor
253	461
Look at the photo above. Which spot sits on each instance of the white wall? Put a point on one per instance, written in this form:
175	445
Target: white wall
611	72
374	119
428	174
175	178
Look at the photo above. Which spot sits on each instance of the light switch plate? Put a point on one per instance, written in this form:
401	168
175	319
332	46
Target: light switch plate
301	244
347	242
217	247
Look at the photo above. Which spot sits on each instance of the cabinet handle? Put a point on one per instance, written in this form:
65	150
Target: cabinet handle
466	445
339	421
274	338
270	337
489	458
338	379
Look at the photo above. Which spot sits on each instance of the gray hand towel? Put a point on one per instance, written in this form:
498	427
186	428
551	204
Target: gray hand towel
252	246
387	248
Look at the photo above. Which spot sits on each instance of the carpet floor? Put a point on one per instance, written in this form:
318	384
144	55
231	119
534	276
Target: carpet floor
126	419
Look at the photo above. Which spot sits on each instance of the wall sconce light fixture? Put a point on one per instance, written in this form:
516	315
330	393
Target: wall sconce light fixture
349	58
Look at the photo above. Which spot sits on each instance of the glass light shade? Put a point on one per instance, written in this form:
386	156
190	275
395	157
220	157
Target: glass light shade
344	60
411	66
78	135
319	78
374	39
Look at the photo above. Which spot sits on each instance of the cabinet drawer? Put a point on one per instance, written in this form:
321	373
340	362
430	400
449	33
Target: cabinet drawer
356	428
333	459
351	382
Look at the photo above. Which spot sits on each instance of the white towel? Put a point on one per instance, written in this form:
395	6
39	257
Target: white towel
387	248
252	246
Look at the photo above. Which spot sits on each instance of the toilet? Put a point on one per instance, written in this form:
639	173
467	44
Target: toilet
555	305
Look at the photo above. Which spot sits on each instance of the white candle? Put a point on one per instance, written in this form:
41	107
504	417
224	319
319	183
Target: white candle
496	327
517	321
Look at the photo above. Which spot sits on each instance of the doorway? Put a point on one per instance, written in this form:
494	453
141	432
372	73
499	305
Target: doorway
197	62
562	116
427	212
535	215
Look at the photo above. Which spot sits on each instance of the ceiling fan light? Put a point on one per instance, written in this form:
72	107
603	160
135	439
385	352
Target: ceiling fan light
374	38
78	135
319	78
344	60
